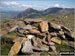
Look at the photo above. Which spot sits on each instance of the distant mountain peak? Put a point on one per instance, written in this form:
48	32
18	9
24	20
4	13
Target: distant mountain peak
32	13
29	9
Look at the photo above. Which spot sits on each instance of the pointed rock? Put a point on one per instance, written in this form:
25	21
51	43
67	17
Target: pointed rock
44	26
15	49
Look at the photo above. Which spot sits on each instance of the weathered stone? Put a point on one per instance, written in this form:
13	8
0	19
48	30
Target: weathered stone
65	29
39	42
27	47
68	32
44	40
71	34
42	34
44	26
20	34
26	32
29	36
53	34
55	26
54	39
34	42
49	38
44	48
61	32
32	20
27	27
34	31
36	48
53	48
12	29
33	27
24	39
35	24
51	43
41	48
15	48
63	36
21	31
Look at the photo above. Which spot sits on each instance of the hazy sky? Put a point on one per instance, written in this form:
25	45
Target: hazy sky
37	4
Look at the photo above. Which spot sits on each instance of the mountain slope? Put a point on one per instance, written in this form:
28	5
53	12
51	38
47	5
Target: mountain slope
55	10
31	13
50	11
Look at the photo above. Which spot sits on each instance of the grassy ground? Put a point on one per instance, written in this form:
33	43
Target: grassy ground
5	48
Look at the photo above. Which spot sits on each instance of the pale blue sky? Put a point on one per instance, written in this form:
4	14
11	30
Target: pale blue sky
38	5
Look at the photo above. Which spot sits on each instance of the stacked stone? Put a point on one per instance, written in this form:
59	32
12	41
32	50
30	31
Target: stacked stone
37	36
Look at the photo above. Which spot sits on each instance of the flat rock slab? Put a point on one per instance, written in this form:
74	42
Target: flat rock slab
32	20
27	47
54	39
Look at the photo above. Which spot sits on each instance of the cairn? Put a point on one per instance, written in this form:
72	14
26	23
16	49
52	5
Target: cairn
37	36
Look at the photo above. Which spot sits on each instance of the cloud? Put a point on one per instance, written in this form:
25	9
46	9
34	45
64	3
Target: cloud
13	5
56	5
21	6
18	6
63	6
10	3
